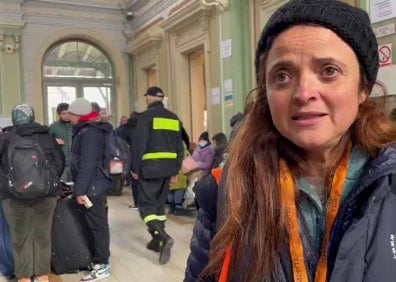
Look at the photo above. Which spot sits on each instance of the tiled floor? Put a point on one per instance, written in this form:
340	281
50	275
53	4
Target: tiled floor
130	260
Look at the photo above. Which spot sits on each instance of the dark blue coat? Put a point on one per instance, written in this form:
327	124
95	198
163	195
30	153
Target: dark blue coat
363	239
86	164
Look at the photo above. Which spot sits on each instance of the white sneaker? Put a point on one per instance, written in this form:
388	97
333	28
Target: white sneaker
99	272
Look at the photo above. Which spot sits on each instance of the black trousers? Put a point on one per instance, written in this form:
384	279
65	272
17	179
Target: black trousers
152	198
135	193
97	220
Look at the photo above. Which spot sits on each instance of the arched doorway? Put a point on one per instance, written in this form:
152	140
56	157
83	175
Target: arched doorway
73	69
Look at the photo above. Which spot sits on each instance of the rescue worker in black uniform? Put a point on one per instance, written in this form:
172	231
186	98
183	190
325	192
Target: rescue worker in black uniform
157	159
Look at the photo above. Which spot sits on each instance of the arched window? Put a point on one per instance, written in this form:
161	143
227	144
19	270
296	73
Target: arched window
75	69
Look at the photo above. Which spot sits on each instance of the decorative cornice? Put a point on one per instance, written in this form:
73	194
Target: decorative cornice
148	27
103	4
11	25
73	22
180	6
189	15
150	13
144	42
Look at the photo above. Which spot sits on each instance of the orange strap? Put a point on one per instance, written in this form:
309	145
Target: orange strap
216	172
290	210
295	244
288	200
226	266
332	211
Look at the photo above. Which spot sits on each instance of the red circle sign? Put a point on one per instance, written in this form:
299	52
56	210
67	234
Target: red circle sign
385	54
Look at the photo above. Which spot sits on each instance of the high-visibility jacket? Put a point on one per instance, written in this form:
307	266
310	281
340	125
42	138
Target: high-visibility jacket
157	144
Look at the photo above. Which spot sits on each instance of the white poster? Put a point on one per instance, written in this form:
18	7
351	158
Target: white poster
216	96
226	50
228	85
382	10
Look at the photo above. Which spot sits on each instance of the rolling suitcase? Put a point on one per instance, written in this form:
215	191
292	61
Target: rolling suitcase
6	256
72	241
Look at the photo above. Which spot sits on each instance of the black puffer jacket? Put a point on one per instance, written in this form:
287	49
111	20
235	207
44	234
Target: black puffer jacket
363	239
47	142
87	158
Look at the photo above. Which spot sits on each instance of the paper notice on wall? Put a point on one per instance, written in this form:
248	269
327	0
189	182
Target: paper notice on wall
228	85
382	10
215	96
226	50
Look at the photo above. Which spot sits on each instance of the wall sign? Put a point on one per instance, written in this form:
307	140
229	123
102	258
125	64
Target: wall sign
382	10
385	55
385	30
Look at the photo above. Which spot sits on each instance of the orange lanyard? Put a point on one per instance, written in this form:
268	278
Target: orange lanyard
295	244
288	201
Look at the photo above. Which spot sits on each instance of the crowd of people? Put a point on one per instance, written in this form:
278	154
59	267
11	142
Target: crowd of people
75	147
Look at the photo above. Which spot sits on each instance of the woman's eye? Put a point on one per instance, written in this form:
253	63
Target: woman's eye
330	71
281	77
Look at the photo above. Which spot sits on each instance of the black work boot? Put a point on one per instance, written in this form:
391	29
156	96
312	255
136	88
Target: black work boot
154	244
166	244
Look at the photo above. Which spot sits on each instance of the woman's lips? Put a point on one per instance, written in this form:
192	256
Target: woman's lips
307	118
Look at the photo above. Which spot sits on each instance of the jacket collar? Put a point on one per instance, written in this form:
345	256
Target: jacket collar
156	104
383	164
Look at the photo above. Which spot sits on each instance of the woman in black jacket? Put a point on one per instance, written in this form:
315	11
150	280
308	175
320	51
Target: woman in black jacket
310	190
30	220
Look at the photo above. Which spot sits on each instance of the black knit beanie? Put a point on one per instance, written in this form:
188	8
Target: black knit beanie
349	23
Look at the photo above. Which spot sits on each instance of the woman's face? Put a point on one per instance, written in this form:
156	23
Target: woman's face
312	83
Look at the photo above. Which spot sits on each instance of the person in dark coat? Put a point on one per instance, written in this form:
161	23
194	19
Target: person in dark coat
220	144
127	133
157	158
311	192
30	220
62	131
90	181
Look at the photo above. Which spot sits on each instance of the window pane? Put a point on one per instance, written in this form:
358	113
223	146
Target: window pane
100	95
77	59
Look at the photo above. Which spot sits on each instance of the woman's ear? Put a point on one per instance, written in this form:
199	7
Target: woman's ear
362	96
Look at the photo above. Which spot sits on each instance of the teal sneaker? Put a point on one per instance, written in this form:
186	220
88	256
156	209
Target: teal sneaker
99	272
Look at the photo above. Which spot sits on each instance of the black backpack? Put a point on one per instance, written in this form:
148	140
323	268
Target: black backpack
29	174
117	157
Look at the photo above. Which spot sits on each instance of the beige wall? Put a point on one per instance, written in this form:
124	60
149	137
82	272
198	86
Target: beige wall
167	45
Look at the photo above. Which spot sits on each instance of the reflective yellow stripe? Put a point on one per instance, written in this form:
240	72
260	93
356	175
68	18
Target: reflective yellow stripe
161	217
159	155
153	217
166	124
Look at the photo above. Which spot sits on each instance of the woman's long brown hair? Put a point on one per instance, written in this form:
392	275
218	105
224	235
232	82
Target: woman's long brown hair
254	217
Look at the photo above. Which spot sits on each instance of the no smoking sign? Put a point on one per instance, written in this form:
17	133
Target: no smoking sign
385	55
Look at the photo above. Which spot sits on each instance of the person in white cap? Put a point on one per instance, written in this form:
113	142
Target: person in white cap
87	156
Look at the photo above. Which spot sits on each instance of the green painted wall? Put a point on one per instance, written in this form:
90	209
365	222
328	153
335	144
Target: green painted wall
10	67
236	25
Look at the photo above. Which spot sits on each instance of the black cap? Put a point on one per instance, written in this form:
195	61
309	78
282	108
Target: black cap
349	23
155	92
